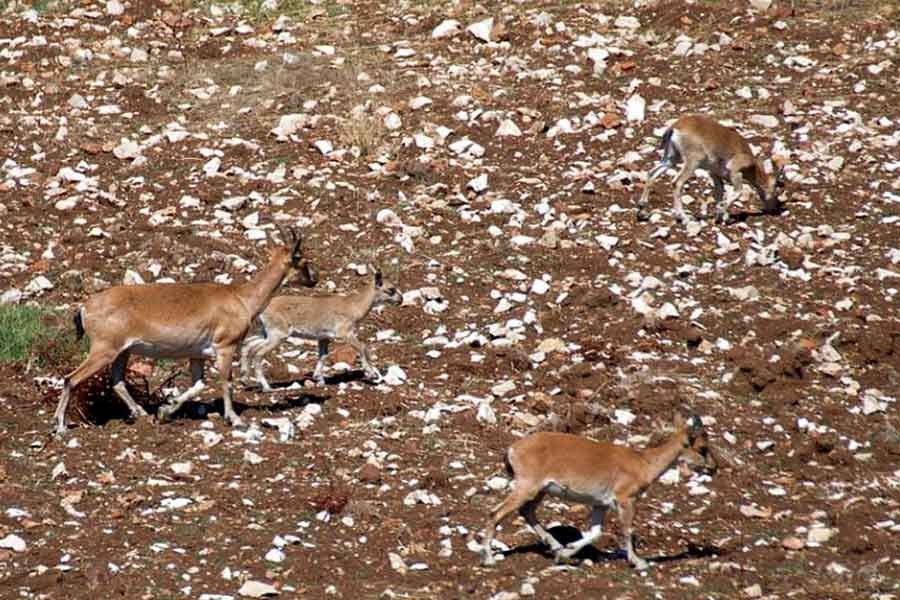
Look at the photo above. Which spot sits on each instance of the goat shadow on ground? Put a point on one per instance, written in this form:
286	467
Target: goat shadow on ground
742	216
199	409
566	534
291	398
338	378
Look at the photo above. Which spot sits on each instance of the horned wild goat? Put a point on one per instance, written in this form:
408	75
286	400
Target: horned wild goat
598	474
698	142
197	321
320	318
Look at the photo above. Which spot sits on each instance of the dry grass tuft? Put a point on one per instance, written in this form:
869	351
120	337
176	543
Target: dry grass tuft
362	132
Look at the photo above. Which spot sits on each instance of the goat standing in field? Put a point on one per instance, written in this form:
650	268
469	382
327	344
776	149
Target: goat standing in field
598	474
701	143
198	321
322	319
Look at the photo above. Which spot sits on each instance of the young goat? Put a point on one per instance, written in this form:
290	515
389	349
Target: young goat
316	318
598	474
701	143
198	321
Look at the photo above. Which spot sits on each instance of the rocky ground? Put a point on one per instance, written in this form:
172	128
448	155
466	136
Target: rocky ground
488	156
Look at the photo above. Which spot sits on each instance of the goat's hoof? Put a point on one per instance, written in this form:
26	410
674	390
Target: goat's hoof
163	414
641	564
59	434
565	555
320	380
236	422
642	217
140	413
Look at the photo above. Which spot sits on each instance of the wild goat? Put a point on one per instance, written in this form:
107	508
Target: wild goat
598	474
701	143
198	321
316	318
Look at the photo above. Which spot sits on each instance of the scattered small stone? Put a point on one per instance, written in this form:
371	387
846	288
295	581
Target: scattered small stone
14	543
793	543
369	473
753	591
257	589
482	29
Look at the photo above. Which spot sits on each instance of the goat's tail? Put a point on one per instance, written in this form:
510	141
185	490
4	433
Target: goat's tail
671	155
79	324
508	465
666	139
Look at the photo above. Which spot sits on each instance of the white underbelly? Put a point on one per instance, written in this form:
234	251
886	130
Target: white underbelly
594	497
199	349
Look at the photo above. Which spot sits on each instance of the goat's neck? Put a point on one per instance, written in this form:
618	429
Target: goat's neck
361	302
259	290
660	458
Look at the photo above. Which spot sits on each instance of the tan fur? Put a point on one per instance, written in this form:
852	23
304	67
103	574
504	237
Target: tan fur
598	474
699	142
198	321
322	319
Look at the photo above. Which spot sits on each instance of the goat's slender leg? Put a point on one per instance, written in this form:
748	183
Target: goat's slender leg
167	410
718	193
259	351
723	212
519	496
97	358
224	356
318	374
529	513
364	356
598	514
626	515
118	381
248	355
651	177
686	172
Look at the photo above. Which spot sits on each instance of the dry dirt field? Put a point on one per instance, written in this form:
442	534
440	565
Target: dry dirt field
492	169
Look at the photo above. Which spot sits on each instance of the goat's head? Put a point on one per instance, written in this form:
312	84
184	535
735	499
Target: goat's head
775	182
386	293
696	454
291	258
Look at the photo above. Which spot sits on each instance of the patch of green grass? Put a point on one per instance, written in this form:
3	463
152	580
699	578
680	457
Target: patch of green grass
37	335
21	327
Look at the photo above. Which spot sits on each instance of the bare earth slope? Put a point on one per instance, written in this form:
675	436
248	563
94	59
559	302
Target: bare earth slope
496	178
